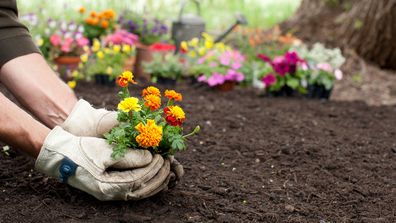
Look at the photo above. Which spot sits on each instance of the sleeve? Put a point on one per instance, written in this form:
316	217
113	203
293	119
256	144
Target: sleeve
15	39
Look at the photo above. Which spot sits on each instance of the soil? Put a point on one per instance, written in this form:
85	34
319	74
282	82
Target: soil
256	160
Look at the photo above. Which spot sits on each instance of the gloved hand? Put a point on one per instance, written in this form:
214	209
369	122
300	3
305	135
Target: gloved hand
84	120
86	163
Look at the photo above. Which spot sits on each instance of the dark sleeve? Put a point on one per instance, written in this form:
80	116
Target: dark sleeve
15	39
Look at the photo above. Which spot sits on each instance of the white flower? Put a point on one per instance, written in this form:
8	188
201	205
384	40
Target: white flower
338	74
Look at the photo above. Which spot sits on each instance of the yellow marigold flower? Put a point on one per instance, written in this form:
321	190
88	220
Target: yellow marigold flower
171	94
109	70
116	48
150	134
100	54
208	44
84	58
96	45
129	104
201	51
194	42
151	90
72	84
128	75
126	48
75	73
152	101
184	46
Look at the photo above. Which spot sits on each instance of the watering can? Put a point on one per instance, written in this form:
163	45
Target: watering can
189	26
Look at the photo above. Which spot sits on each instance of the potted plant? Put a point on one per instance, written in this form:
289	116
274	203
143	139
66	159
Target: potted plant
97	24
164	69
102	63
66	46
124	38
323	68
286	76
150	31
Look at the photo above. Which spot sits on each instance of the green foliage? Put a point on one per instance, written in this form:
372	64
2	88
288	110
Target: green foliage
166	66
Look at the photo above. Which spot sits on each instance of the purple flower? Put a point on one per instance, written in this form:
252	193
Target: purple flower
269	80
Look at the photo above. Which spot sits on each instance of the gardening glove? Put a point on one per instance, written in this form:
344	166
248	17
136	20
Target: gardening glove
86	163
84	120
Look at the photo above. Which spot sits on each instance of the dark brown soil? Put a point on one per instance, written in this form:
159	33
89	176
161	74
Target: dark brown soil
256	160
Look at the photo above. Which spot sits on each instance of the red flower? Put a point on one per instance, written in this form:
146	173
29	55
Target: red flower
174	115
162	47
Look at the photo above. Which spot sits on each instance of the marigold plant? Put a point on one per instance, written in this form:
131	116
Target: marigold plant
144	124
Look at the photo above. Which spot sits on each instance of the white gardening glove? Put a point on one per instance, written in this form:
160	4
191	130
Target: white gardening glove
85	120
86	163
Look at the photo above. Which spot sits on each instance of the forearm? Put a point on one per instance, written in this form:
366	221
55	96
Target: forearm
38	88
19	129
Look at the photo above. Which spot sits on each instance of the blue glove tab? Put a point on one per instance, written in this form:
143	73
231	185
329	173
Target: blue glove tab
67	168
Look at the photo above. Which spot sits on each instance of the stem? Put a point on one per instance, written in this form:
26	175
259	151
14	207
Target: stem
195	131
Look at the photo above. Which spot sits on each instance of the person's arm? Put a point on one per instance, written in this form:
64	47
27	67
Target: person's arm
19	129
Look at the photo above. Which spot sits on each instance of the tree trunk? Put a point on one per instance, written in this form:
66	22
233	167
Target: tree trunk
367	26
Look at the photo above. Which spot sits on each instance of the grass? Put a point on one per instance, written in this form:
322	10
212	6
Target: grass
218	14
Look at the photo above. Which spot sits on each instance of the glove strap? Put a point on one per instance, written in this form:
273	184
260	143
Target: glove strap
67	168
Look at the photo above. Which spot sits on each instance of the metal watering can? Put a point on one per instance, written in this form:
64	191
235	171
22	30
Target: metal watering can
189	26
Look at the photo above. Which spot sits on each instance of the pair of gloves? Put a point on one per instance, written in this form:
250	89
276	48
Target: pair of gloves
76	154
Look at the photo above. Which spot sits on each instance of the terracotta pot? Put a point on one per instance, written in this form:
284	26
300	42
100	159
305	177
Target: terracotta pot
143	55
226	86
66	64
129	63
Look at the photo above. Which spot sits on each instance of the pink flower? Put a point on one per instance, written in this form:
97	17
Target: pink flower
325	67
269	80
82	41
55	40
66	47
233	75
264	58
122	37
338	74
304	66
215	79
202	78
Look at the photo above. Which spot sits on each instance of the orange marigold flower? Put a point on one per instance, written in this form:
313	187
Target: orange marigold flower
109	14
151	90
171	94
125	78
81	10
104	24
89	20
174	115
93	14
150	134
152	101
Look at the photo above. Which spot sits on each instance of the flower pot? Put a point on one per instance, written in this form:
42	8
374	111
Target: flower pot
226	86
129	63
104	79
65	66
318	91
285	91
143	55
166	81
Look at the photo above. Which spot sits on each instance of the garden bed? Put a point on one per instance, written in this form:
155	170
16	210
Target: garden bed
255	160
